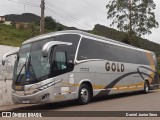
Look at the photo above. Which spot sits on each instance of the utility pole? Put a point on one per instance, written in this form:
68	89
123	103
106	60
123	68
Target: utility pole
24	7
42	29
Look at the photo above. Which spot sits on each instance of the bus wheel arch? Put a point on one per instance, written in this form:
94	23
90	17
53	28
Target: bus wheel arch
146	86
85	92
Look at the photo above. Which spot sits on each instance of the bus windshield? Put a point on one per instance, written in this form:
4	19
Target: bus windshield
31	65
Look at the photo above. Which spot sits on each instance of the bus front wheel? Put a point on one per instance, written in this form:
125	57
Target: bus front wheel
84	94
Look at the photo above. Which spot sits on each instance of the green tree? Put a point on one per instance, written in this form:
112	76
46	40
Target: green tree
60	28
50	23
136	17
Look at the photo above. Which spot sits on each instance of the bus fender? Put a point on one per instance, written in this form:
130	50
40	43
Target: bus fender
80	83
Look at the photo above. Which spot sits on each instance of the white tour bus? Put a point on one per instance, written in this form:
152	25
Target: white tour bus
72	64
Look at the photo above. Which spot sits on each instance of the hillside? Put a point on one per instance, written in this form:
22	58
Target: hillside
25	17
120	36
14	37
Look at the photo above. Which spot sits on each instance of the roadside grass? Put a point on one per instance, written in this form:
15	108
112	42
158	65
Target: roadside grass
11	36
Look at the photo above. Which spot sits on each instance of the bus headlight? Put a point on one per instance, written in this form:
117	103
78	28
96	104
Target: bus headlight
23	93
30	92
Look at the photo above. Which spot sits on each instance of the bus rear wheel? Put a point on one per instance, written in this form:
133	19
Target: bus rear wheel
146	87
84	94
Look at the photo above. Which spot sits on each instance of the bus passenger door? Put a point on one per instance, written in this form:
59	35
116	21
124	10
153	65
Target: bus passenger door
60	70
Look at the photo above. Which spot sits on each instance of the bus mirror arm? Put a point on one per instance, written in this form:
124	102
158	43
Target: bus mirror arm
48	45
7	55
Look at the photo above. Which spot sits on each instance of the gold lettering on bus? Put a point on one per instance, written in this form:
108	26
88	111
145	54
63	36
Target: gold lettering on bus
115	67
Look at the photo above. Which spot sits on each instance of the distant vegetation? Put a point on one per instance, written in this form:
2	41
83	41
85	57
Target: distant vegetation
135	17
25	17
14	37
11	36
121	36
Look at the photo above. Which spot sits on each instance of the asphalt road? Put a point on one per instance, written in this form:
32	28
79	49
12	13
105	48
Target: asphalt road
121	102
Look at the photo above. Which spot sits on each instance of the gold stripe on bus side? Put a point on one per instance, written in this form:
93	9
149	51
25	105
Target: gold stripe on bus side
130	87
119	87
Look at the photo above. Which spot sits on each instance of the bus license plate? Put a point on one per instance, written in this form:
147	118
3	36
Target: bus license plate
26	101
18	87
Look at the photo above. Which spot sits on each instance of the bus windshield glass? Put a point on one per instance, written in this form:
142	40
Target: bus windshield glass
31	65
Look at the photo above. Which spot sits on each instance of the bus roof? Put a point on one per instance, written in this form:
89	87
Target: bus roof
48	35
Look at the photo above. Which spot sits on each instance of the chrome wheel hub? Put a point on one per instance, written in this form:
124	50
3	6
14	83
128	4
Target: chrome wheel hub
147	88
84	95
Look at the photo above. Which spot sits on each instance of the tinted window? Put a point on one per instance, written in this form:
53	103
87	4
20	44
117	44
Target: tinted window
90	49
63	56
71	49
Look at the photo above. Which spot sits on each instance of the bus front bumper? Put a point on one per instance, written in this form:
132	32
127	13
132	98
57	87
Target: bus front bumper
43	96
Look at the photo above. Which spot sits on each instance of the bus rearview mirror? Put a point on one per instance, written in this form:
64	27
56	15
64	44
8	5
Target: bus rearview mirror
7	55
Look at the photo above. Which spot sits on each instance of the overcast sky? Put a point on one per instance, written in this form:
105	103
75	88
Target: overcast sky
83	14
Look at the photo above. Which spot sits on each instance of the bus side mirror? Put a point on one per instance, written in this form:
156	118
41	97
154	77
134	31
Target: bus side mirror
7	55
48	45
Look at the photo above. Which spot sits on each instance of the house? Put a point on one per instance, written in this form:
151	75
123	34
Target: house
21	25
2	19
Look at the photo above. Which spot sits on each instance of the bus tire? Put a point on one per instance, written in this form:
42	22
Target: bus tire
84	96
146	87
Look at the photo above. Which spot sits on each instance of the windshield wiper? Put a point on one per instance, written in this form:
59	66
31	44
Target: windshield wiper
24	65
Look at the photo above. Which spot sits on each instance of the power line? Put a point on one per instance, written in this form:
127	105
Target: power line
9	5
62	15
26	3
67	13
58	11
93	6
76	18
